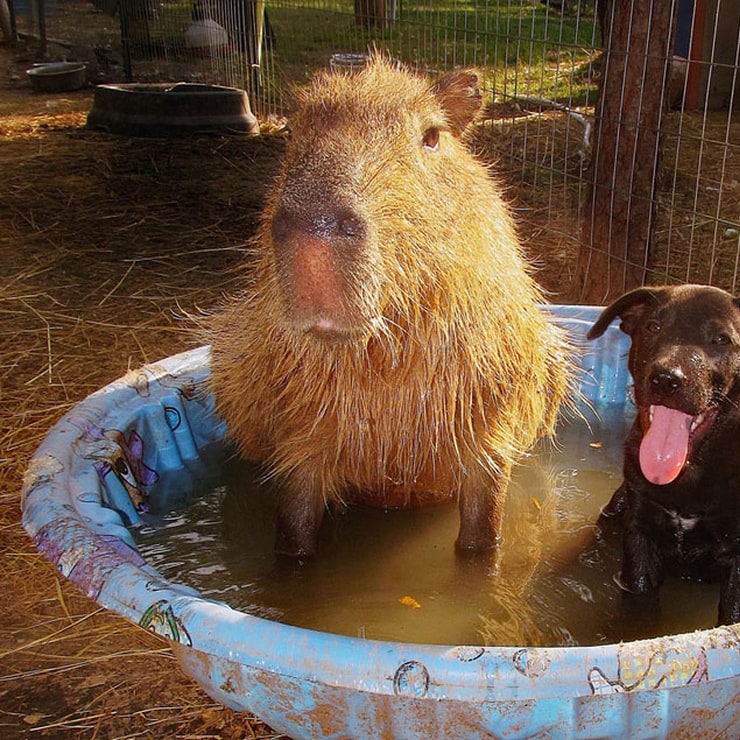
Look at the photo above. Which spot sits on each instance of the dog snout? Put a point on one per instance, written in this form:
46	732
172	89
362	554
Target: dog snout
666	381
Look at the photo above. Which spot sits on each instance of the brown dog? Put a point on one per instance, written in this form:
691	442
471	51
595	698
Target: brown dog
679	503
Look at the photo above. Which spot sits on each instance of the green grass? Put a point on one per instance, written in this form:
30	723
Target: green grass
524	49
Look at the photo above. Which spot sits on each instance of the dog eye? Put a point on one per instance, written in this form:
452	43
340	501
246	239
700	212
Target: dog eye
722	339
654	326
431	138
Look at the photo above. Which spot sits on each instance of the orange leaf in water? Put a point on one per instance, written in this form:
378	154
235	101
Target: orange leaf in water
410	601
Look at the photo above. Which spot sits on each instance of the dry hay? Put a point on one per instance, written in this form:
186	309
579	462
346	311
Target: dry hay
541	156
104	241
697	217
697	230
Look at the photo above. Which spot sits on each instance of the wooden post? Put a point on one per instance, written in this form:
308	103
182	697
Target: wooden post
370	13
615	253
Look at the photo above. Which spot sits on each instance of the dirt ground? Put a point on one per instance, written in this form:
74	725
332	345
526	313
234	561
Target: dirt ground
104	242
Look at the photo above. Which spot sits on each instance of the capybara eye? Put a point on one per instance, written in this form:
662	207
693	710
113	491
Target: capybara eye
431	138
722	338
654	326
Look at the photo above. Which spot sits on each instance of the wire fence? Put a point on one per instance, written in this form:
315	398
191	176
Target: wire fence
553	137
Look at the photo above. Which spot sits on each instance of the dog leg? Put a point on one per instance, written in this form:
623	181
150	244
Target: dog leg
640	578
729	593
642	566
616	507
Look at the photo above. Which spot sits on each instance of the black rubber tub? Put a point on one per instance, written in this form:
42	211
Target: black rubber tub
166	109
57	76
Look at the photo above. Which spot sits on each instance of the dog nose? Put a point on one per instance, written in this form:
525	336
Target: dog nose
666	381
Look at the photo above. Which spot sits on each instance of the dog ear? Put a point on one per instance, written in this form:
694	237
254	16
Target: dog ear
629	307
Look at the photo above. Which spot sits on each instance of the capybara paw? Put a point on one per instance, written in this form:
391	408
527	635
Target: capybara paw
476	543
295	546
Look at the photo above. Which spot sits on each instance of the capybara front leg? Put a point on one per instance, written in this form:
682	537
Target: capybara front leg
481	509
300	512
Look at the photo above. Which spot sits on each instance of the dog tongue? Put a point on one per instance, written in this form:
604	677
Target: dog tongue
665	447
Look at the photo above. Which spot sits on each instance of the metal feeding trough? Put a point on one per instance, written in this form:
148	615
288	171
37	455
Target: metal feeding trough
55	77
152	431
162	110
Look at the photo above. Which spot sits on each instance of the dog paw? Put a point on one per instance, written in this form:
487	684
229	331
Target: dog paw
641	584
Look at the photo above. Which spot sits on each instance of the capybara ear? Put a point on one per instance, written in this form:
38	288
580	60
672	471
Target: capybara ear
460	96
629	307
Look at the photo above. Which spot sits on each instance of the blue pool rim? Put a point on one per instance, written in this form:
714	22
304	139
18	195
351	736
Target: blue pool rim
78	506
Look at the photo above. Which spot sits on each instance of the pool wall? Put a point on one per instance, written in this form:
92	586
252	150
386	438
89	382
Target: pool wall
88	483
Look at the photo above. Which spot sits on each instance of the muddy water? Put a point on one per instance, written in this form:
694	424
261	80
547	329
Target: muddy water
394	575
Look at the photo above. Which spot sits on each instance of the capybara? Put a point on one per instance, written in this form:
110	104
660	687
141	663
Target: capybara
388	349
679	504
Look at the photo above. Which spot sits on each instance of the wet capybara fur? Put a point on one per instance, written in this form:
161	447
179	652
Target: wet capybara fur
679	504
388	349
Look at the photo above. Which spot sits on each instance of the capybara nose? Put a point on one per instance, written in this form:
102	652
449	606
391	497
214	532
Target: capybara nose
666	381
329	224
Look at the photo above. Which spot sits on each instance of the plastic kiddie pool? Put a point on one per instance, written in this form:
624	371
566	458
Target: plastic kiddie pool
82	486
